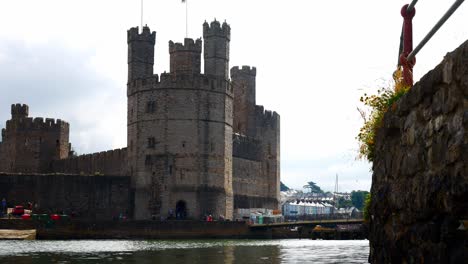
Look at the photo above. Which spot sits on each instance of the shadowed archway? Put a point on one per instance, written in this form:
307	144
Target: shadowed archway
181	210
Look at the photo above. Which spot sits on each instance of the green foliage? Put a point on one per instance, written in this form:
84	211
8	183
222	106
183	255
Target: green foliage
283	187
314	188
366	208
379	105
358	198
343	203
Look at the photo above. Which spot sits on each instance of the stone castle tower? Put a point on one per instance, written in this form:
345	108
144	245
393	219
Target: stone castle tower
30	145
197	143
180	126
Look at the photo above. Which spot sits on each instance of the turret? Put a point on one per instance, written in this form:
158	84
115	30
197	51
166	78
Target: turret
140	53
19	111
243	84
216	48
185	58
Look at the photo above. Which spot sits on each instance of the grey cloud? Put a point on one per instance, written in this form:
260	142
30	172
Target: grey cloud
58	82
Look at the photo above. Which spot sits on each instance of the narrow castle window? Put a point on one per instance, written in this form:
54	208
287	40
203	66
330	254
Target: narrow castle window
150	107
148	160
151	142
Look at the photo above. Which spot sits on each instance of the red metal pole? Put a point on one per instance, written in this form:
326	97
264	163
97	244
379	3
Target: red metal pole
407	44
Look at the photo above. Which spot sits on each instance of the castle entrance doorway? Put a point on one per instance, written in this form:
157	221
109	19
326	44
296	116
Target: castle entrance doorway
181	210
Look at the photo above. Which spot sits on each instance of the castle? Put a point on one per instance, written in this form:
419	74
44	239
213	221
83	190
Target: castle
197	143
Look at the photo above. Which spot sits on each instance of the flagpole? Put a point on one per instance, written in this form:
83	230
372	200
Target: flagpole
186	18
141	18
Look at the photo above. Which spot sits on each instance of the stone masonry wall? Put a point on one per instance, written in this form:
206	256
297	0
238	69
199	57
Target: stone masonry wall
111	162
30	144
93	197
420	179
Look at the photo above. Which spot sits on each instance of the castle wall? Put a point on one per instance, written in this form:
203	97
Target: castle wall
420	178
256	172
30	145
111	162
256	146
268	130
94	197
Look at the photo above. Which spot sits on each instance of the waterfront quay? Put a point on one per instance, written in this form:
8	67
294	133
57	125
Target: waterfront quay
185	229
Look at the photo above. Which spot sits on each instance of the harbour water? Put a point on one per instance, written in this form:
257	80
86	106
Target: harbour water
185	251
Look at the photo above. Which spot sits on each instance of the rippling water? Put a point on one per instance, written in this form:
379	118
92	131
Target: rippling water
185	251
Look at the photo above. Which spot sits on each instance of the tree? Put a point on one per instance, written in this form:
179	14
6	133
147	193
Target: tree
314	188
358	198
343	203
283	187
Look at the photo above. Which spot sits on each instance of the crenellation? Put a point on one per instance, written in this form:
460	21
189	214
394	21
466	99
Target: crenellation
266	117
19	110
110	162
188	45
216	29
216	40
244	70
37	123
246	147
140	53
185	59
168	81
133	34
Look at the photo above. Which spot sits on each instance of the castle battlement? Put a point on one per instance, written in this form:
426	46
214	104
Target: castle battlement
37	123
216	29
133	34
245	147
111	162
266	117
171	81
188	45
19	110
245	70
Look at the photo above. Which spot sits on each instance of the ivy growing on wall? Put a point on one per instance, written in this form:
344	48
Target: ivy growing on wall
378	104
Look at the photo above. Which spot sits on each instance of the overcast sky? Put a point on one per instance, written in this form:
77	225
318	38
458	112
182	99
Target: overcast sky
67	59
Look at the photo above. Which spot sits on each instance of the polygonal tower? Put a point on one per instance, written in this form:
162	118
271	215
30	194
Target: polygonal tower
140	53
185	59
216	48
140	67
180	135
243	83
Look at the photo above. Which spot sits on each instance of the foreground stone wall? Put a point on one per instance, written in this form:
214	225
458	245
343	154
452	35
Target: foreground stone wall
420	179
91	197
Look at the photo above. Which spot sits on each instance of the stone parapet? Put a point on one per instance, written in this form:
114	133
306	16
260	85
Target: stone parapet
420	178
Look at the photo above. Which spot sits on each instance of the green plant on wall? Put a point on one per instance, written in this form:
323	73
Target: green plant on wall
379	104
